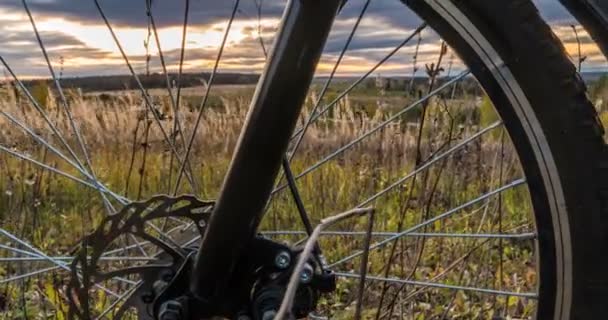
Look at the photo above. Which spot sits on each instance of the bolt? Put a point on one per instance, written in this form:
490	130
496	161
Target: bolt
307	273
282	260
202	223
269	315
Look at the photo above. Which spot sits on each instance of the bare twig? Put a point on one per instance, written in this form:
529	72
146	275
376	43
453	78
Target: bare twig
306	254
581	58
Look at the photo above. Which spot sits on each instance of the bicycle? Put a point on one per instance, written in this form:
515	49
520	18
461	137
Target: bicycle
212	259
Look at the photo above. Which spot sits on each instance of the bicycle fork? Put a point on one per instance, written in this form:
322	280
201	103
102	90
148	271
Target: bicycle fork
256	162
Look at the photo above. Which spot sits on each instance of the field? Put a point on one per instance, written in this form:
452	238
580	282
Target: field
129	154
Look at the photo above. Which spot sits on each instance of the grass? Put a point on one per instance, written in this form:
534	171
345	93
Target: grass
130	156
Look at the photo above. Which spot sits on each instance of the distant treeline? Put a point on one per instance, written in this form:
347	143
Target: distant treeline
371	86
127	82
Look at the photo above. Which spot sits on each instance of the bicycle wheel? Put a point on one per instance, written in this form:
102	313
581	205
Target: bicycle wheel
491	211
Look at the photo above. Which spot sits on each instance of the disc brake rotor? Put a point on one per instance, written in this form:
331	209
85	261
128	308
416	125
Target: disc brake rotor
135	220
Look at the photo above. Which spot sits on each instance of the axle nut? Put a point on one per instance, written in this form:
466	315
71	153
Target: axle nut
307	273
282	260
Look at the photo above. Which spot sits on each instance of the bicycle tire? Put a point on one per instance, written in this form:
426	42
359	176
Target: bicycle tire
573	282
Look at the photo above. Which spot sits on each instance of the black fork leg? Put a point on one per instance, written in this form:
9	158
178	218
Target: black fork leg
264	139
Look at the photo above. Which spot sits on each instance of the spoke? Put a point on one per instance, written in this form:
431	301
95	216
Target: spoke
102	189
127	248
192	241
93	184
259	4
527	295
181	58
500	211
376	129
59	261
66	108
50	269
138	244
448	213
174	101
16	250
59	264
53	128
51	148
206	97
33	251
458	262
165	73
29	274
58	86
163	234
362	78
145	95
330	79
364	264
119	299
427	165
69	259
41	111
78	167
430	163
520	236
28	253
177	126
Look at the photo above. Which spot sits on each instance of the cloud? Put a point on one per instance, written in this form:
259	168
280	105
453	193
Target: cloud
133	12
74	30
20	48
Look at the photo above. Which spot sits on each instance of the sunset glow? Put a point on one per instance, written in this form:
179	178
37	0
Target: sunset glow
87	47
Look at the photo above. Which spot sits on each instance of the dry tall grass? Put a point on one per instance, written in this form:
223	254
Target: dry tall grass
130	155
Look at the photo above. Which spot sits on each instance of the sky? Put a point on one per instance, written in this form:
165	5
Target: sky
80	44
